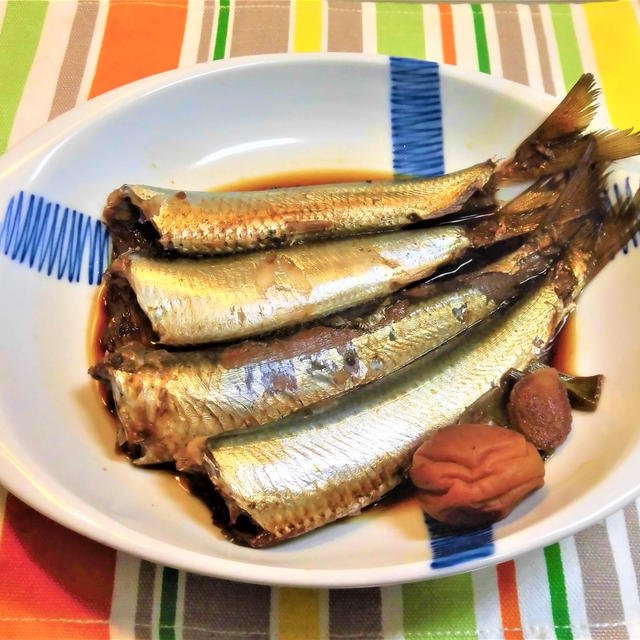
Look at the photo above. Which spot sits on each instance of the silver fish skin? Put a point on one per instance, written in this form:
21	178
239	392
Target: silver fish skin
220	299
206	223
297	475
165	399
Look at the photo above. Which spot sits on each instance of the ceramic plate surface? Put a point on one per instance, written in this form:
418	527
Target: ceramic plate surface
207	126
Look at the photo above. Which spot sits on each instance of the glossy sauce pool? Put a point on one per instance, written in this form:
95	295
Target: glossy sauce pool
563	352
95	351
302	178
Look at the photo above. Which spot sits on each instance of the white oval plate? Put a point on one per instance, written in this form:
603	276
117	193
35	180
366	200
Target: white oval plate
219	122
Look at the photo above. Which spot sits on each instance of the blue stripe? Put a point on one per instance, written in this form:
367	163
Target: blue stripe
416	117
450	546
416	131
620	199
54	239
628	194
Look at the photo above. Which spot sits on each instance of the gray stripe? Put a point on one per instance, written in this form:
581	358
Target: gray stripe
543	50
206	31
514	66
218	609
75	58
144	604
344	26
601	586
260	28
355	613
633	533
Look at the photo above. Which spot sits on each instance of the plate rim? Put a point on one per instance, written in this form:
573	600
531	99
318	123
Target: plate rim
18	481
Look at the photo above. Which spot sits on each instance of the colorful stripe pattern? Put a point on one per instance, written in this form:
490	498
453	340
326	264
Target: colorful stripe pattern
558	591
568	50
400	30
19	38
222	28
481	39
439	608
509	605
584	587
55	584
129	49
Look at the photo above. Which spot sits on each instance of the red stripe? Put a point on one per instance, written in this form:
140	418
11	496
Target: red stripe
55	583
509	605
140	38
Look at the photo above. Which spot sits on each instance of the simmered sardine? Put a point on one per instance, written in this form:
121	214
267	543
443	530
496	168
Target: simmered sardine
206	223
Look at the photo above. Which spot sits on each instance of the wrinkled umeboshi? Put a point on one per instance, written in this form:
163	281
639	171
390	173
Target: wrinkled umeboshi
471	475
539	408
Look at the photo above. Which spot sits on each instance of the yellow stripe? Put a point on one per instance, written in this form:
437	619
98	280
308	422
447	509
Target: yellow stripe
615	35
307	30
299	614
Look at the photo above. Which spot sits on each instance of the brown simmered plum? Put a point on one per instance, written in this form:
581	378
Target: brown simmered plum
539	408
471	475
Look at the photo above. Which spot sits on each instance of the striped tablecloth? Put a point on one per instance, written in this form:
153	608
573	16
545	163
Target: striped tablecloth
56	584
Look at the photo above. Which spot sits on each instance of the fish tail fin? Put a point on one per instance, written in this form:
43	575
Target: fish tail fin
573	115
582	195
614	144
565	123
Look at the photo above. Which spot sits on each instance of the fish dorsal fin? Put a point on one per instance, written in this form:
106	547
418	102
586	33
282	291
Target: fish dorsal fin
582	195
542	193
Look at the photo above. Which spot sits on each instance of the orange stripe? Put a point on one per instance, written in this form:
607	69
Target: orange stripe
509	605
140	39
448	40
55	583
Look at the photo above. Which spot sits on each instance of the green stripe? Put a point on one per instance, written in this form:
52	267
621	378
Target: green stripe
434	605
481	39
19	39
568	50
558	591
400	30
168	599
221	32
